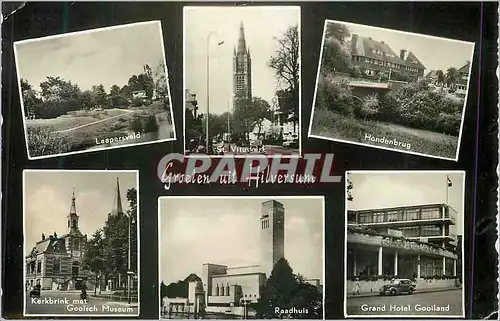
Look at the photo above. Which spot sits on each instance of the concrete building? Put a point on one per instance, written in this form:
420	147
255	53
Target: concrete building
229	286
408	242
242	68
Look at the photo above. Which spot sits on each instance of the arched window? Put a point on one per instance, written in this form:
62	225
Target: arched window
227	290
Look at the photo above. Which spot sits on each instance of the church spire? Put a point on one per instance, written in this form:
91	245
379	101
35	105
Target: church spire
241	41
72	210
117	201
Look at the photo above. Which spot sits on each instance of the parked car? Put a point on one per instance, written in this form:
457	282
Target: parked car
398	286
35	292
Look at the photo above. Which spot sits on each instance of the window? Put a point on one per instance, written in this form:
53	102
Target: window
227	290
56	267
410	231
431	213
38	267
431	231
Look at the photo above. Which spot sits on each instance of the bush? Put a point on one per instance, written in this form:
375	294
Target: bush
335	94
44	141
151	126
137	102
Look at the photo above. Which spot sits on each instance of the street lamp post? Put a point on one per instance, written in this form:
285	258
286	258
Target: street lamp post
212	33
129	276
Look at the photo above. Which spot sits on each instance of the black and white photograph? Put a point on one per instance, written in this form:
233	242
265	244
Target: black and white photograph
404	244
81	252
241	257
94	90
391	90
242	81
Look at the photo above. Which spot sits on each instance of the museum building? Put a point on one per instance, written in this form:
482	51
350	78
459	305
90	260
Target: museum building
408	242
56	262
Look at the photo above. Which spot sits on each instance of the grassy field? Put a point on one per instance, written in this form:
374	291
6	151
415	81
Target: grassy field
121	122
75	119
333	126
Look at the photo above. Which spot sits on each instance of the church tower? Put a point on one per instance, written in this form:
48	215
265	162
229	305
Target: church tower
242	68
272	235
117	208
72	216
75	241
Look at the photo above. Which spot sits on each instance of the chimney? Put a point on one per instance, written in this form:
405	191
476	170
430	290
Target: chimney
43	237
402	54
55	234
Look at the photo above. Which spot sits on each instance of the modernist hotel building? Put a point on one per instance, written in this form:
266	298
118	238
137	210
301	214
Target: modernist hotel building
408	242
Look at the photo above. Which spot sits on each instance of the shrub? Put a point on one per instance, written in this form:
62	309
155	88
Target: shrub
44	141
336	95
151	126
136	125
137	102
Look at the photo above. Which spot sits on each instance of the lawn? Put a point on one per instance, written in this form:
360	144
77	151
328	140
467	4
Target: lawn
333	126
75	119
101	124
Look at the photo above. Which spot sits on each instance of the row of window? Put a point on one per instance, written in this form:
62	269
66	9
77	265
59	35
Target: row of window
384	63
421	231
265	224
381	53
400	215
222	290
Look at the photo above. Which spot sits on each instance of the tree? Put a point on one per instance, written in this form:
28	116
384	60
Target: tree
115	230
59	97
336	52
452	77
440	77
99	95
249	114
285	64
87	100
30	100
93	259
180	289
116	97
160	81
285	290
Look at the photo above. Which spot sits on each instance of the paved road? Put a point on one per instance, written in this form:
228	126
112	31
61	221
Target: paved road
408	304
69	303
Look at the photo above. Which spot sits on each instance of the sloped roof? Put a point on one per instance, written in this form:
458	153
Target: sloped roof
412	60
50	245
367	47
465	69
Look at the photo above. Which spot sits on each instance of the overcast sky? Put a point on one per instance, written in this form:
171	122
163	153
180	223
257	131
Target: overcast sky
48	200
104	56
381	190
261	24
226	231
434	53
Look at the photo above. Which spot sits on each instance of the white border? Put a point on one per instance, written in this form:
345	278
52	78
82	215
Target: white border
69	315
69	34
299	24
266	198
381	147
396	172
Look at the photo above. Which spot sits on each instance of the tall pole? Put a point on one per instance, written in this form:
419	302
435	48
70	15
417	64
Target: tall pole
129	255
208	92
447	188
